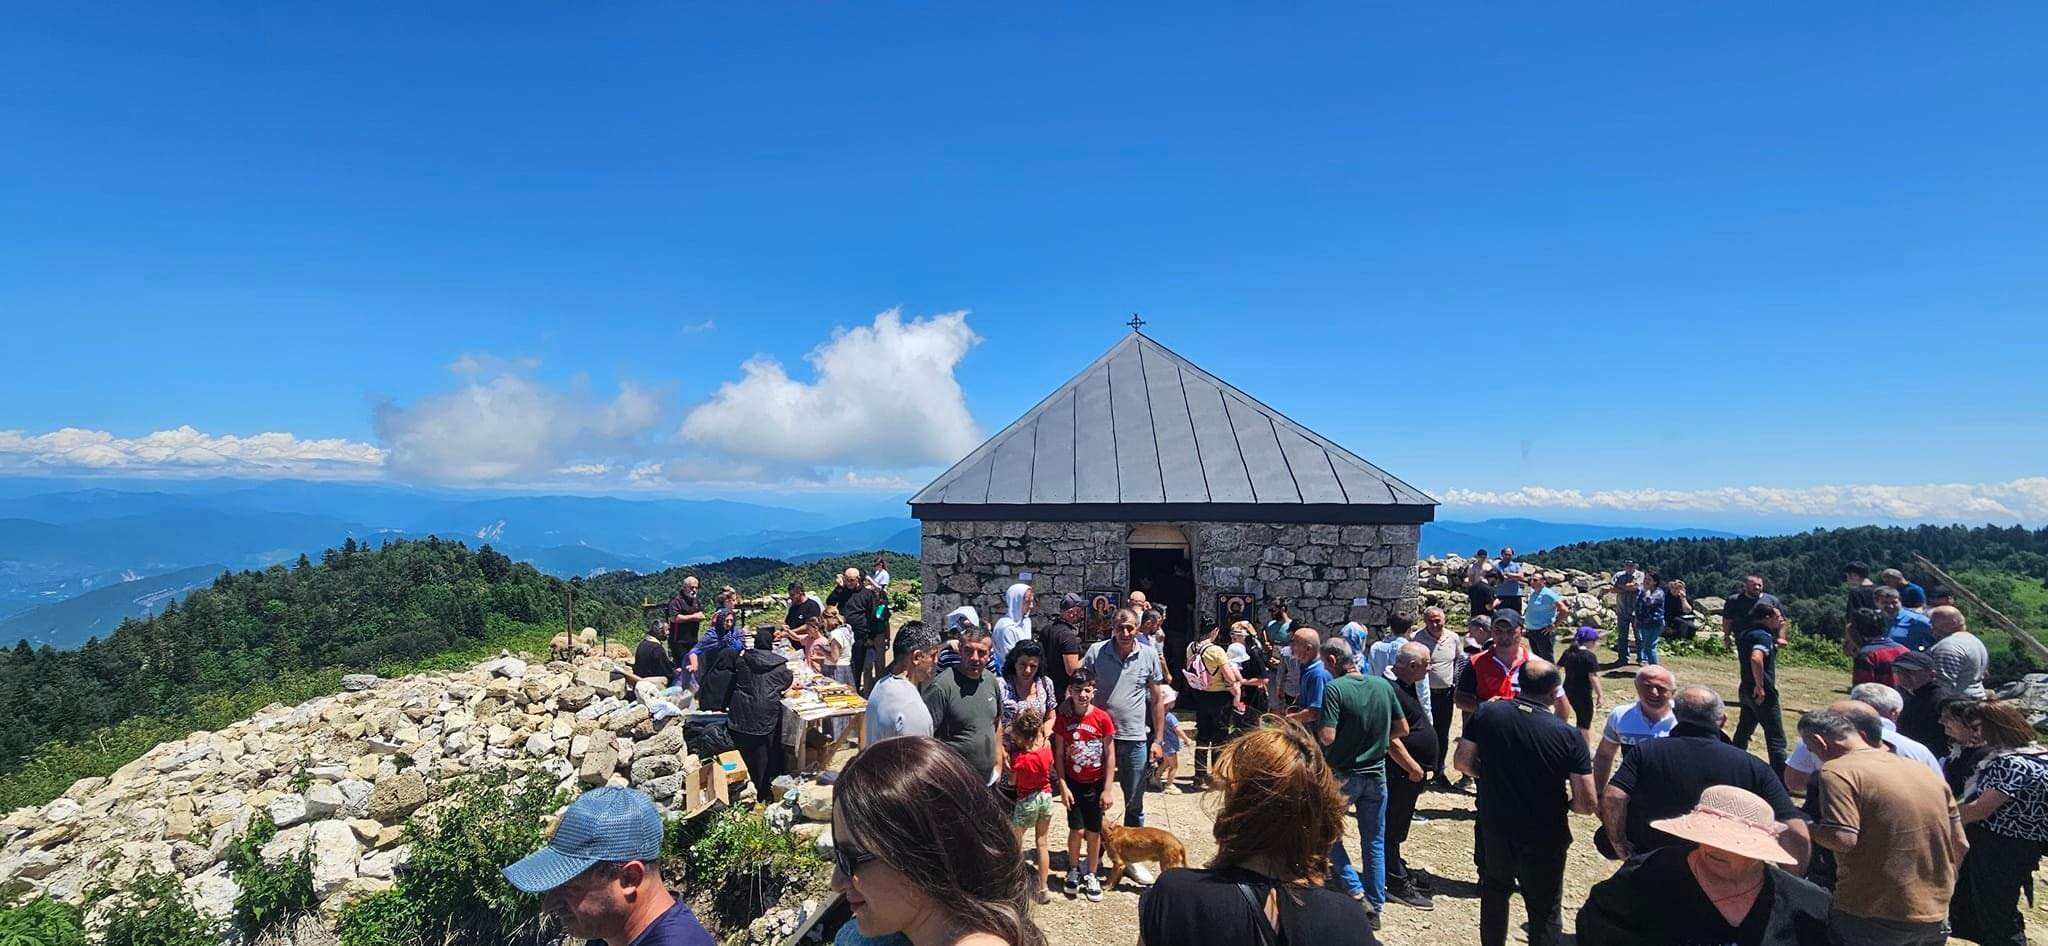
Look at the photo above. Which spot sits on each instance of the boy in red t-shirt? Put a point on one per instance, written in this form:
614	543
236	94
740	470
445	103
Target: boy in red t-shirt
1081	737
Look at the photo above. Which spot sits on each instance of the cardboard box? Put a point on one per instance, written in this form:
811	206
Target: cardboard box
734	766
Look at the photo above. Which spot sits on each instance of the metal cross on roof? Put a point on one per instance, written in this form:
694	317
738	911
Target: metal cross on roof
1135	323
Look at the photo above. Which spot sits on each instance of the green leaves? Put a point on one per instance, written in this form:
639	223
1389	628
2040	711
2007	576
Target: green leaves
41	922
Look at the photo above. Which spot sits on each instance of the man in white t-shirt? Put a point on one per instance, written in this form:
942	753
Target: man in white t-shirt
1649	717
896	706
1863	698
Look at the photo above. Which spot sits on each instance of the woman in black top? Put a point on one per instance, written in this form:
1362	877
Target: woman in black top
1280	813
755	716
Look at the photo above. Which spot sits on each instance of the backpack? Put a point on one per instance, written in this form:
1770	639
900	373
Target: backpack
1197	669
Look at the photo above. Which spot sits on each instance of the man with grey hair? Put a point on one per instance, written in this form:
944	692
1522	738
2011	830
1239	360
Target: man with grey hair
1873	699
1131	688
1894	829
1446	653
1959	657
1663	778
1414	753
1359	719
895	707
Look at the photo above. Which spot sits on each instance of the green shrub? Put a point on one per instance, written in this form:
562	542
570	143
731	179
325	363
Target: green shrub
385	918
41	922
742	861
451	892
154	911
270	893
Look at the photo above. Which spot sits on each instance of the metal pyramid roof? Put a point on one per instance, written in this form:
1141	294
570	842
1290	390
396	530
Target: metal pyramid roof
1144	434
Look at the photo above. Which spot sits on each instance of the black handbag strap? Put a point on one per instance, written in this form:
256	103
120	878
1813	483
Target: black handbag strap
1267	935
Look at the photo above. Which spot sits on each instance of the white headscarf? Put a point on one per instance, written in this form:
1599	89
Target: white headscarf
1014	625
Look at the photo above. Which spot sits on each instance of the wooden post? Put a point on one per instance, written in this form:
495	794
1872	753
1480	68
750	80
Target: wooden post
2039	651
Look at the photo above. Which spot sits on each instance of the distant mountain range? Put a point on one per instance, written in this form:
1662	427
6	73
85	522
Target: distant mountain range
114	552
70	622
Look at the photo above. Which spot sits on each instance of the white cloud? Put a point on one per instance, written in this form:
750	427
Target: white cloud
699	328
2022	500
884	397
501	424
585	469
184	451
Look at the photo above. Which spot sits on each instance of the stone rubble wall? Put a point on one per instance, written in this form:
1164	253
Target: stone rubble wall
1318	568
342	772
1589	595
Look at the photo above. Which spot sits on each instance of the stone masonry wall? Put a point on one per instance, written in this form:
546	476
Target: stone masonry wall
1319	568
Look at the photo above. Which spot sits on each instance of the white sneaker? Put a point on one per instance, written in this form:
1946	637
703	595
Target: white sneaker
1140	873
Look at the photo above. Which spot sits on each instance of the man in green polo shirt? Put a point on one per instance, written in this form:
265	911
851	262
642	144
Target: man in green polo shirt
1360	717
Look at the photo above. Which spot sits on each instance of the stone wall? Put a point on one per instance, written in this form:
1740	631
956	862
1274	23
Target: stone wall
1320	568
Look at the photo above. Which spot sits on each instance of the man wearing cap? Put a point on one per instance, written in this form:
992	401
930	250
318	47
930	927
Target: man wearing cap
1664	777
1727	886
1628	583
599	877
1924	695
1495	674
1914	596
1062	640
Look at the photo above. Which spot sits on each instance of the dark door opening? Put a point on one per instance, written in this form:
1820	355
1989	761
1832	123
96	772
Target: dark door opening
1167	577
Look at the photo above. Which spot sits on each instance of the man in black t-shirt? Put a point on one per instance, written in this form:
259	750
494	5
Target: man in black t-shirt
1062	641
1663	778
802	608
1523	756
650	659
685	617
856	604
1404	785
1862	591
1924	697
1735	615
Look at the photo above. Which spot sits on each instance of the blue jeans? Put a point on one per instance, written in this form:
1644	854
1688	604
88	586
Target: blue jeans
1648	633
1133	756
1367	796
1623	621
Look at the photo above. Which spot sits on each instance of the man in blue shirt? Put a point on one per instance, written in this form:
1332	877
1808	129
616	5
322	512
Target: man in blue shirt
1308	707
1910	594
1540	613
599	873
1905	626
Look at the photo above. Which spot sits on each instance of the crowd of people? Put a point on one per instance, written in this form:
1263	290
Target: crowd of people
1911	810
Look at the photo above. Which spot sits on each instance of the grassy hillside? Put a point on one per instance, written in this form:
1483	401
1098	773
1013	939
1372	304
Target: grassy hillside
287	633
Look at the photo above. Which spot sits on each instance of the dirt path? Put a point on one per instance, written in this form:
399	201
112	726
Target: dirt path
1442	847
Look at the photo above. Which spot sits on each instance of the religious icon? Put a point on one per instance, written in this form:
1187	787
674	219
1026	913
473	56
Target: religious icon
1232	607
1100	619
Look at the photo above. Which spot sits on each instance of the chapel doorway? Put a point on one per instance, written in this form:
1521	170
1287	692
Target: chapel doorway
1161	568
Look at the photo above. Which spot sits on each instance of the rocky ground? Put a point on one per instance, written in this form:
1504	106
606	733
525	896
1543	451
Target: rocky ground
1442	847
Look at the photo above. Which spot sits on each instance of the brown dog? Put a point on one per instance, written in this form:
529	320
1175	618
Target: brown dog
1123	845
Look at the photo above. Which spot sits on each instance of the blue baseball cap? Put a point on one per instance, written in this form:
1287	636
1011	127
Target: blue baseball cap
605	824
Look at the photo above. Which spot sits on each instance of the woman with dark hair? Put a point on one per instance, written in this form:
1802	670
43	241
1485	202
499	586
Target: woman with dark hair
2005	814
921	850
1280	812
755	715
1025	687
1965	747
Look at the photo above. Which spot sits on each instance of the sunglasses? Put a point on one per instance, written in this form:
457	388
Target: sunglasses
848	857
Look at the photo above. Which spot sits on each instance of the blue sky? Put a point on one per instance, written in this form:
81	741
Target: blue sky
1708	260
